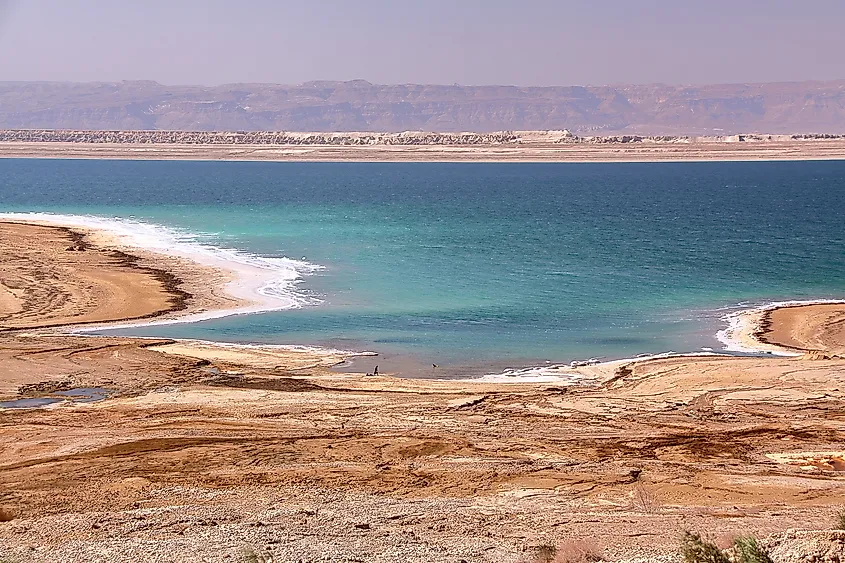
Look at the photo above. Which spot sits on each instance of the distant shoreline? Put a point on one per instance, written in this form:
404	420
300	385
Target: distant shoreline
413	146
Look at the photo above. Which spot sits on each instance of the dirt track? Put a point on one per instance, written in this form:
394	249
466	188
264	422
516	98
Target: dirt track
214	459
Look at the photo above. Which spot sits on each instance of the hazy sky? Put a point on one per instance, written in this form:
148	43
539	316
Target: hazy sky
525	42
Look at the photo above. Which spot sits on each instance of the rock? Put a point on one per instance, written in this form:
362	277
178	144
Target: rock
803	546
817	355
464	402
7	514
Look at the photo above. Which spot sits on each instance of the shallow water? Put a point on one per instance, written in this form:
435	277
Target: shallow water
478	267
76	395
28	403
85	394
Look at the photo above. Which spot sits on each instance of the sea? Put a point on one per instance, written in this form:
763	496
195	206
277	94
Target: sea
467	269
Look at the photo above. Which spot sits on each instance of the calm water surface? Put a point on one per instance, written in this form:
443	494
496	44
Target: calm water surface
482	266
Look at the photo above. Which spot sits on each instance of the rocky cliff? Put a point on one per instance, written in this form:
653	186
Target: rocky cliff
814	107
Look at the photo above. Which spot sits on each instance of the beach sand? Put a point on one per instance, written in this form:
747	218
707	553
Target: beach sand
45	284
261	453
816	328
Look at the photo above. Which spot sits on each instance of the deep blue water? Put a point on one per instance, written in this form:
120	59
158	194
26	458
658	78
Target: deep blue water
486	264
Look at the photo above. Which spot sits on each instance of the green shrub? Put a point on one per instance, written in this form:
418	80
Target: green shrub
698	550
749	551
746	549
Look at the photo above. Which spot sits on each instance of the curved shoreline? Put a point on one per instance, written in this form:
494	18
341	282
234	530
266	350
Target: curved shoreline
226	281
193	296
46	286
170	283
204	303
756	330
58	281
809	327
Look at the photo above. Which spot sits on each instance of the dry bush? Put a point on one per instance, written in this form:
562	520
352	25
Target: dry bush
840	520
578	551
645	500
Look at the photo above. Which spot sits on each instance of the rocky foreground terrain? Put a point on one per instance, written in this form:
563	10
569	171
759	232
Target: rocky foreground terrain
653	109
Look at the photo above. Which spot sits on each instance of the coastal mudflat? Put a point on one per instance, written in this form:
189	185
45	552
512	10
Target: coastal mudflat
207	453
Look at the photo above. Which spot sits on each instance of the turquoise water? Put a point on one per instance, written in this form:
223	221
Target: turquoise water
477	267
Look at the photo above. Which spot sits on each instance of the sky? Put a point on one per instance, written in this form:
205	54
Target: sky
468	42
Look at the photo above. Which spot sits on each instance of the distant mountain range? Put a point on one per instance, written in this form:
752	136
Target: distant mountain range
653	109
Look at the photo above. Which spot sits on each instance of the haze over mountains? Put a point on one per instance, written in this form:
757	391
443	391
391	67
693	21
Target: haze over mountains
654	109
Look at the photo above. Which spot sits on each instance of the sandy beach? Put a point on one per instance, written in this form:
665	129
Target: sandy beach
534	146
816	328
226	453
